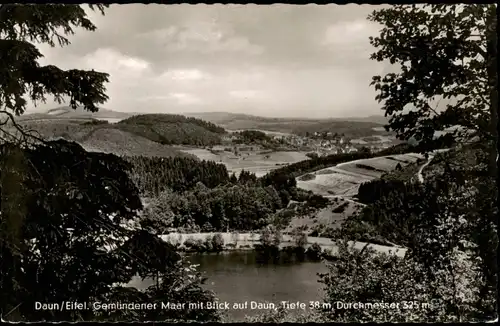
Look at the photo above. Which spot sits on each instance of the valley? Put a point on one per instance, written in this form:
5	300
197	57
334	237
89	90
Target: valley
207	164
129	134
255	151
199	182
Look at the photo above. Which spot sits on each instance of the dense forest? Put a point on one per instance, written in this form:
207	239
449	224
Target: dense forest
195	195
147	119
230	207
152	175
252	136
173	129
372	191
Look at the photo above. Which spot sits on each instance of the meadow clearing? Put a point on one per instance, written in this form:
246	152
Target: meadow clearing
345	178
340	184
256	161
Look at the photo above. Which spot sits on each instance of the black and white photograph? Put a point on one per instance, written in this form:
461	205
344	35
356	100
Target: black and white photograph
245	163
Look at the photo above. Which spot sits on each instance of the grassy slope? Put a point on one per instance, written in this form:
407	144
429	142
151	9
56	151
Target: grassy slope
348	176
119	142
345	178
138	135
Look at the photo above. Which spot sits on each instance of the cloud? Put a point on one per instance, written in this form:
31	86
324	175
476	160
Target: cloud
350	39
274	60
245	93
201	37
184	74
348	33
113	61
182	99
185	99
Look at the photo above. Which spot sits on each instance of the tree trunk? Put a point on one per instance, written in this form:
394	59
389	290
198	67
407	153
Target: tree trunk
492	56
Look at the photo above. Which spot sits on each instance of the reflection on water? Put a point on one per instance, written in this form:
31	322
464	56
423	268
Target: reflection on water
236	277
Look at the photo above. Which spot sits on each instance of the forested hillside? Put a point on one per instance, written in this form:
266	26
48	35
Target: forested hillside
148	135
153	175
173	129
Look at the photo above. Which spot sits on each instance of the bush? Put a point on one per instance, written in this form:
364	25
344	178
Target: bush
189	243
282	315
95	122
300	238
312	155
197	245
314	252
341	208
450	285
271	237
217	242
207	227
307	177
207	245
317	201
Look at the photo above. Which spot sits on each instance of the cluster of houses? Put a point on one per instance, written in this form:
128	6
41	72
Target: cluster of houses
319	145
340	144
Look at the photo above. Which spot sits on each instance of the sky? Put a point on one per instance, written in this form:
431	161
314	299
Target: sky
278	60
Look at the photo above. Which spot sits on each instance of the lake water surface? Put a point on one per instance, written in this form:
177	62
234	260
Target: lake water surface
235	277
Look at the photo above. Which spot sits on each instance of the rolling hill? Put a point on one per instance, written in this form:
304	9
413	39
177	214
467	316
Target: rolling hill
351	127
118	142
146	135
173	129
66	112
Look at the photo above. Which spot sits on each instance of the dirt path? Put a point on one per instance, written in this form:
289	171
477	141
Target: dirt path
419	174
431	156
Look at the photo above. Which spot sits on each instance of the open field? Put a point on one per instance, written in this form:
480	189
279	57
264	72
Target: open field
340	183
375	139
345	178
257	162
332	184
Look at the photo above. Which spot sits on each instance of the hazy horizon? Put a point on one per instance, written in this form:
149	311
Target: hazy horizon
271	61
102	109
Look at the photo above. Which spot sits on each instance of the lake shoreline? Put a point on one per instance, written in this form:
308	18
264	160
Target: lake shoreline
247	241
